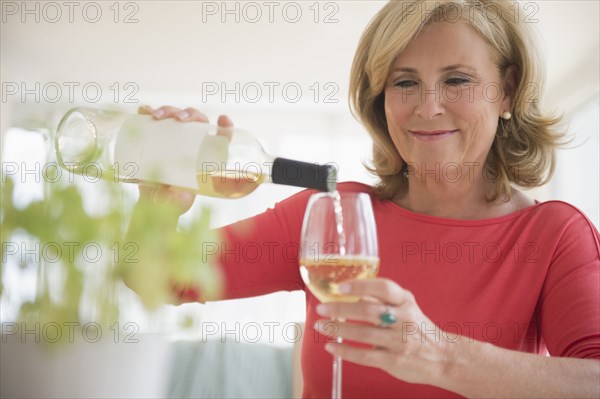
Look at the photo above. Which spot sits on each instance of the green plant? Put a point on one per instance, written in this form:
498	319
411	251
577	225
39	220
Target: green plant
70	288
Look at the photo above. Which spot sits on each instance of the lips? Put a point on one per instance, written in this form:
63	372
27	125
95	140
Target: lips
432	135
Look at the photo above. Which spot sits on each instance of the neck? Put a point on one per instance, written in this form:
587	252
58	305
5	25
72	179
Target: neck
458	199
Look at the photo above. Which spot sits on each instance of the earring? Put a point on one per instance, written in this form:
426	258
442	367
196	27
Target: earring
506	115
404	171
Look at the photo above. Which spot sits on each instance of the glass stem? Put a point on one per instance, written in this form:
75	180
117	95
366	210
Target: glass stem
336	391
336	386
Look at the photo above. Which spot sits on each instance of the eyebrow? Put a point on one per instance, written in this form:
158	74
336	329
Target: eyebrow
444	69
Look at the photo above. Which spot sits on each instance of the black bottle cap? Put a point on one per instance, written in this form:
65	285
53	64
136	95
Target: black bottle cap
304	174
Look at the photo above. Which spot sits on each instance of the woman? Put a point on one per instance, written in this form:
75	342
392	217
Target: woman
476	279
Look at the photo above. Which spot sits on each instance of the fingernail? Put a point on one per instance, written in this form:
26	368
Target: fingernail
329	347
158	113
323	310
183	115
344	288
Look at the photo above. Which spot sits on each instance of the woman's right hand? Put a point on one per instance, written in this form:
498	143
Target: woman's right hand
183	200
141	276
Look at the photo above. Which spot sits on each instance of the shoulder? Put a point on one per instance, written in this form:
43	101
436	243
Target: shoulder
555	211
558	211
562	211
571	228
558	217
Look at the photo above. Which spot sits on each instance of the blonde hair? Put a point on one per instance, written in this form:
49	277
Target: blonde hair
527	140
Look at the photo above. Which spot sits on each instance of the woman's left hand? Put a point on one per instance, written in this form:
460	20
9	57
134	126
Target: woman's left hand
411	349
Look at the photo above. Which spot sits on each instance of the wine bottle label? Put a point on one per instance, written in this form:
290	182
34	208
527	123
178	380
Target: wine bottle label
164	151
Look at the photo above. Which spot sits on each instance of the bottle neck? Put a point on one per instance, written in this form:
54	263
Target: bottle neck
303	174
245	153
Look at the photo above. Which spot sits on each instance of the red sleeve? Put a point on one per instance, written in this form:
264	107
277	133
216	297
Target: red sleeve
259	255
569	305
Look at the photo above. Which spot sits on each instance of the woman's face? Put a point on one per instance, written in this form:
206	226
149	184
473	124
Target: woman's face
443	100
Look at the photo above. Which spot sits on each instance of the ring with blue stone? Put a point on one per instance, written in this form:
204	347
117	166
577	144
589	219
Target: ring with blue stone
387	318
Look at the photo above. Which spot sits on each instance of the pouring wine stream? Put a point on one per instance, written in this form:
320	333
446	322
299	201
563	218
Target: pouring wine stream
336	389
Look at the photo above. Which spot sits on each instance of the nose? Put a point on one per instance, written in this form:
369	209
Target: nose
431	103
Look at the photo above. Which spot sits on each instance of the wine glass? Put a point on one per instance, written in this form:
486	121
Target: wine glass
338	243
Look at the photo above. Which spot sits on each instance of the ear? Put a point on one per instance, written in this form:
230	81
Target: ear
510	87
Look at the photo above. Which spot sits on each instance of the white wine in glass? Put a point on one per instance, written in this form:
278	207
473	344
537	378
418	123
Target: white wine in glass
324	276
338	243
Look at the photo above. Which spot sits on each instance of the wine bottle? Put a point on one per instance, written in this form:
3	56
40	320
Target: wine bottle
193	156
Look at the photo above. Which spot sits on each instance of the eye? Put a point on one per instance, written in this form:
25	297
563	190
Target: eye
456	81
405	83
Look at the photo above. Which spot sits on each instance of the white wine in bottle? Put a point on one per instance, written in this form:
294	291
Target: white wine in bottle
228	185
198	157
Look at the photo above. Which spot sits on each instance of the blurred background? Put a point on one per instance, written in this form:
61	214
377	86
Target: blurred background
279	70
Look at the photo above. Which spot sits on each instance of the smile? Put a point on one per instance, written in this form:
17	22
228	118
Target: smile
432	135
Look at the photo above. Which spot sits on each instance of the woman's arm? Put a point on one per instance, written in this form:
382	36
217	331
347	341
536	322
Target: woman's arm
483	370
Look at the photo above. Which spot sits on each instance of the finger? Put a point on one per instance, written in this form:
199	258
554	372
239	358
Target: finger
177	196
145	110
191	114
224	124
367	311
367	357
362	333
166	111
385	290
224	121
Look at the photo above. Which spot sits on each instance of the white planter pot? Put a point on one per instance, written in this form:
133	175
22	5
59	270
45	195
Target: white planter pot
83	369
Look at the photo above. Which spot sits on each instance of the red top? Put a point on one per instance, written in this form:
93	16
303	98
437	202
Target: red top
525	281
